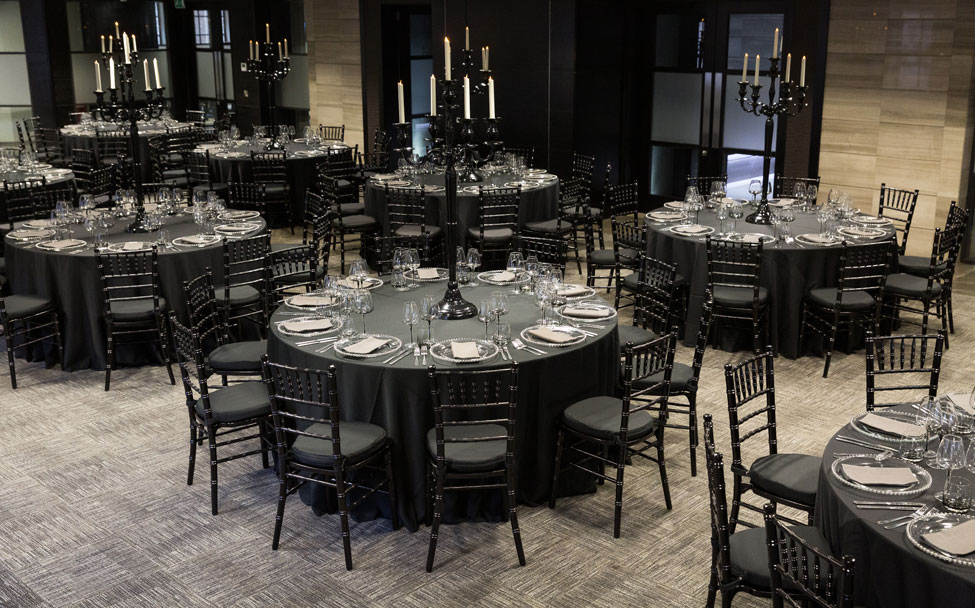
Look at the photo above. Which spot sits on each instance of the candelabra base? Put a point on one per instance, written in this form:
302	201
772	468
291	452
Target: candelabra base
274	145
453	306
762	216
138	226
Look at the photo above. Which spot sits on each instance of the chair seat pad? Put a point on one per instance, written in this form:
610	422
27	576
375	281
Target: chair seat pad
135	310
359	441
577	211
632	280
790	476
903	284
749	553
414	230
20	306
238	356
739	297
549	227
916	265
635	334
276	191
471	456
351	208
356	222
237	402
601	416
239	295
851	300
492	235
173	173
680	379
606	257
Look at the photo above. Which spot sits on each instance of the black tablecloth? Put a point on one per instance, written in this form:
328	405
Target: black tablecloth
398	399
536	204
85	140
789	271
72	280
890	571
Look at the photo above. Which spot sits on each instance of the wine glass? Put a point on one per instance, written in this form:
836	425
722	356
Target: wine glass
473	259
735	212
91	225
363	304
721	212
719	190
199	218
833	197
755	188
824	216
799	193
787	215
412	261
411	316
812	191
499	304
86	203
430	310
531	267
515	265
690	193
358	272
485	312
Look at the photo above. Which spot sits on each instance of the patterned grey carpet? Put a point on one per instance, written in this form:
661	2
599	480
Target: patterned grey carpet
94	510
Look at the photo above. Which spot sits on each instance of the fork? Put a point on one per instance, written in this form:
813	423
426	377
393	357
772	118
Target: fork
416	355
896	521
423	352
517	343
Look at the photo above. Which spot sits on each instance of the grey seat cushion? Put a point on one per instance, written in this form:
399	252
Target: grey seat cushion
749	553
606	257
916	265
239	295
851	300
601	417
790	476
472	456
276	191
680	378
356	222
549	227
903	284
135	310
739	297
19	306
577	211
414	230
350	208
359	440
238	356
492	235
237	402
636	335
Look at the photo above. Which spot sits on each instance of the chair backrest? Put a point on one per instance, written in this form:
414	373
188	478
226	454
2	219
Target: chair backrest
45	199
574	196
704	184
406	207
269	167
180	139
702	343
18	203
245	265
525	152
335	132
247	196
193	367
198	167
863	268
623	201
640	362
83	160
111	145
552	251
916	359
582	169
381	142
735	264
898	206
718	503
129	277
794	565
49	142
102	181
628	235
295	267
497	210
204	314
654	298
482	397
785	186
750	387
340	164
385	246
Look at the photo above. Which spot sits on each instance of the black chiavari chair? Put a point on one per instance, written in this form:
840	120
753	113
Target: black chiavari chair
341	165
332	132
526	153
83	162
111	147
896	357
223	355
734	280
560	227
653	303
856	299
166	166
50	147
782	478
406	209
247	196
623	202
472	443
293	270
200	176
314	444
898	206
358	225
27	320
215	415
632	426
17	199
134	310
797	567
243	296
497	228
599	259
270	170
25	133
577	202
45	199
377	160
384	249
101	184
179	141
549	251
785	186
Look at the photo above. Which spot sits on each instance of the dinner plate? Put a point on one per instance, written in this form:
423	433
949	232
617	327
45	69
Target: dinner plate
471	189
190	241
868	233
393	344
129	247
399	183
237	215
27	234
692	230
675	205
442	275
595	306
368	283
869	431
576	335
810	239
289	327
923	477
37	224
236	229
666	216
930	525
65	245
441	351
870	219
748	237
295	301
535	171
488	277
587	292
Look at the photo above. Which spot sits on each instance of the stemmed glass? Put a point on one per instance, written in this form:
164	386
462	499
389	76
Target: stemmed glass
755	188
721	212
473	260
951	456
833	197
398	277
825	215
499	305
515	265
735	212
799	193
429	310
531	267
411	260
718	190
86	203
363	304
812	191
787	215
358	272
485	312
91	226
199	218
411	316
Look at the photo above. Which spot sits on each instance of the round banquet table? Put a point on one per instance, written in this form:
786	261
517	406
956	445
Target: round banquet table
73	282
301	164
789	271
537	203
83	137
397	398
890	571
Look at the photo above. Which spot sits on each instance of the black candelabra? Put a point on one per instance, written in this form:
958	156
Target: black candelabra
445	150
791	100
269	67
122	107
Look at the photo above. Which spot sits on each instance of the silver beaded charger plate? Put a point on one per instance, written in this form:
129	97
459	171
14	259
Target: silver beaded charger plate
368	283
863	429
811	239
392	345
535	171
236	229
291	301
675	205
871	220
576	335
27	235
923	477
283	327
931	525
442	275
748	237
196	241
65	245
861	233
594	306
587	293
488	277
129	247
486	349
692	230
238	215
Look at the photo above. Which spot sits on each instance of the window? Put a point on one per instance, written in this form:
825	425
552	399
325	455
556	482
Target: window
159	17
225	26
201	27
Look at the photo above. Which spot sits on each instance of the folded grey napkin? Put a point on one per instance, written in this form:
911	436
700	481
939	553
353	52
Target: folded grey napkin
311	300
586	313
366	346
464	350
957	540
891	426
880	476
550	335
307	325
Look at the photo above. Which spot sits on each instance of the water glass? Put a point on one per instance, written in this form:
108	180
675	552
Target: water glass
485	313
398	280
957	495
950	454
502	334
411	316
912	449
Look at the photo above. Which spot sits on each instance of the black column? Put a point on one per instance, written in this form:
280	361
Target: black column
48	55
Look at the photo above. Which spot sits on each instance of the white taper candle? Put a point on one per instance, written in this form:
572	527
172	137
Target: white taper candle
98	78
757	59
111	73
145	72
802	73
433	95
744	69
400	101
491	97
788	66
446	58
467	97
775	44
155	68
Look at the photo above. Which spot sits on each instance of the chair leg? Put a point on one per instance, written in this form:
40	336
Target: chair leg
265	431
8	339
712	587
391	488
735	505
829	348
212	439
164	347
951	317
435	527
344	518
192	464
511	507
602	237
428	495
342	250
279	518
558	465
618	511
662	465
601	465
727	597
57	339
110	352
692	430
